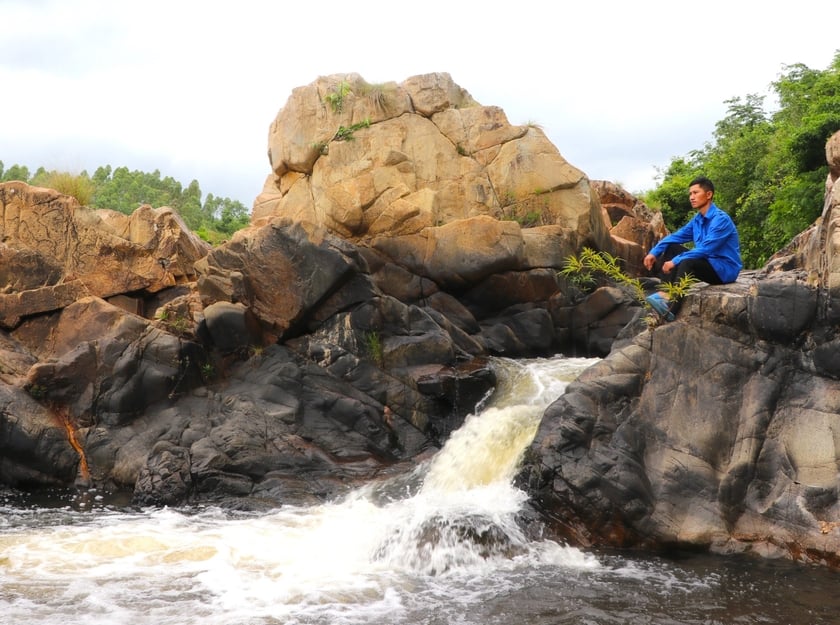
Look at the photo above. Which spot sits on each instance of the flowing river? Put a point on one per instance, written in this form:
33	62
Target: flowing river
439	547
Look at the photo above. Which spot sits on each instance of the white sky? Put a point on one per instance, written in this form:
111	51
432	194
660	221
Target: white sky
190	87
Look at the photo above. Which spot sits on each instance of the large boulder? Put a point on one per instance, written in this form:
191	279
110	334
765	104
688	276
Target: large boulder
459	253
371	160
633	226
280	429
103	365
279	272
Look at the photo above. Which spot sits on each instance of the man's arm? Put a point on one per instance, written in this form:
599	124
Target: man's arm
716	239
683	235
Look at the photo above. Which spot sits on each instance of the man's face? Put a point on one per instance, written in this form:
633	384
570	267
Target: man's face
699	197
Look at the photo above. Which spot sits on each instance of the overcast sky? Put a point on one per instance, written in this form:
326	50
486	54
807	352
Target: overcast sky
190	87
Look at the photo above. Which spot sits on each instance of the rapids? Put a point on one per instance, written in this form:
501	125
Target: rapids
439	546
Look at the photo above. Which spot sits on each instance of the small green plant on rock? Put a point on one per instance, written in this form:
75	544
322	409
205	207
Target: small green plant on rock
379	94
37	392
208	371
528	220
586	270
180	324
591	267
375	351
174	322
335	98
531	219
346	133
78	186
677	291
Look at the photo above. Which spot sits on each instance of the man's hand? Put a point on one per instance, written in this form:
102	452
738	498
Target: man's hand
667	266
649	261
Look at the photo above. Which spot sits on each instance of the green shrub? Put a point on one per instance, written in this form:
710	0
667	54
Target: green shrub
590	268
335	98
78	186
586	270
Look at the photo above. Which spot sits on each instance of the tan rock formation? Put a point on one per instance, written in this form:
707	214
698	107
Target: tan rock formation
717	430
832	156
54	251
816	251
460	252
94	354
633	226
404	235
375	160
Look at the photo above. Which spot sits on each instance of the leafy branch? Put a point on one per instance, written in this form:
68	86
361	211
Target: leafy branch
585	270
335	98
677	291
346	133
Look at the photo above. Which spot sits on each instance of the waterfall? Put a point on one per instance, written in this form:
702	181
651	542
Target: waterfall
464	514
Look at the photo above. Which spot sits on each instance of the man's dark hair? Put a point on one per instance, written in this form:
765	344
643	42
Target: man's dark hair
704	183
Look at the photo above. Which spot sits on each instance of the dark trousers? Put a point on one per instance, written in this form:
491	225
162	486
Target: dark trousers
699	268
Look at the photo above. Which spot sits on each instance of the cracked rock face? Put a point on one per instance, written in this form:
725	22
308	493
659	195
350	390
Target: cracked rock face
55	251
423	154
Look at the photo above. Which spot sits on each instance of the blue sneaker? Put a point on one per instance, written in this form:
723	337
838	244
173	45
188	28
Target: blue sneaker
658	303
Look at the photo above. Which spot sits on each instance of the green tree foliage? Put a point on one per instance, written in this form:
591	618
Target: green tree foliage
15	172
123	190
227	215
738	163
769	169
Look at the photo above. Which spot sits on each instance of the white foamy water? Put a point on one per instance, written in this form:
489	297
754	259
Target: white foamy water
441	546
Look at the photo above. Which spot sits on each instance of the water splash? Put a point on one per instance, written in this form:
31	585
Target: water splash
465	514
487	449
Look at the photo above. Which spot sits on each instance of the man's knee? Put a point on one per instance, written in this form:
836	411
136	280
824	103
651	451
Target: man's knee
699	269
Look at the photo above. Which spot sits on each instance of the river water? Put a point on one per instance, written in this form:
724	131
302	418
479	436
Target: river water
439	547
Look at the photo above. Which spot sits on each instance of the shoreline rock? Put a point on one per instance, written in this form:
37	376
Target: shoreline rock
715	431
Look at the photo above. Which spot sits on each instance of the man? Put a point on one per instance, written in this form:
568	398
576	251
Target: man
715	257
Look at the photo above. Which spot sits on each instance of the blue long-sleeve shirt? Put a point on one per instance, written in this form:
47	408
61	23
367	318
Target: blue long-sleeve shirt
715	238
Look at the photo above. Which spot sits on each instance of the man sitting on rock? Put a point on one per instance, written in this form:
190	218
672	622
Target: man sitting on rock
715	257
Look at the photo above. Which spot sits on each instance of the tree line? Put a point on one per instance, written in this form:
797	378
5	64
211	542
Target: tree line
214	219
769	168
